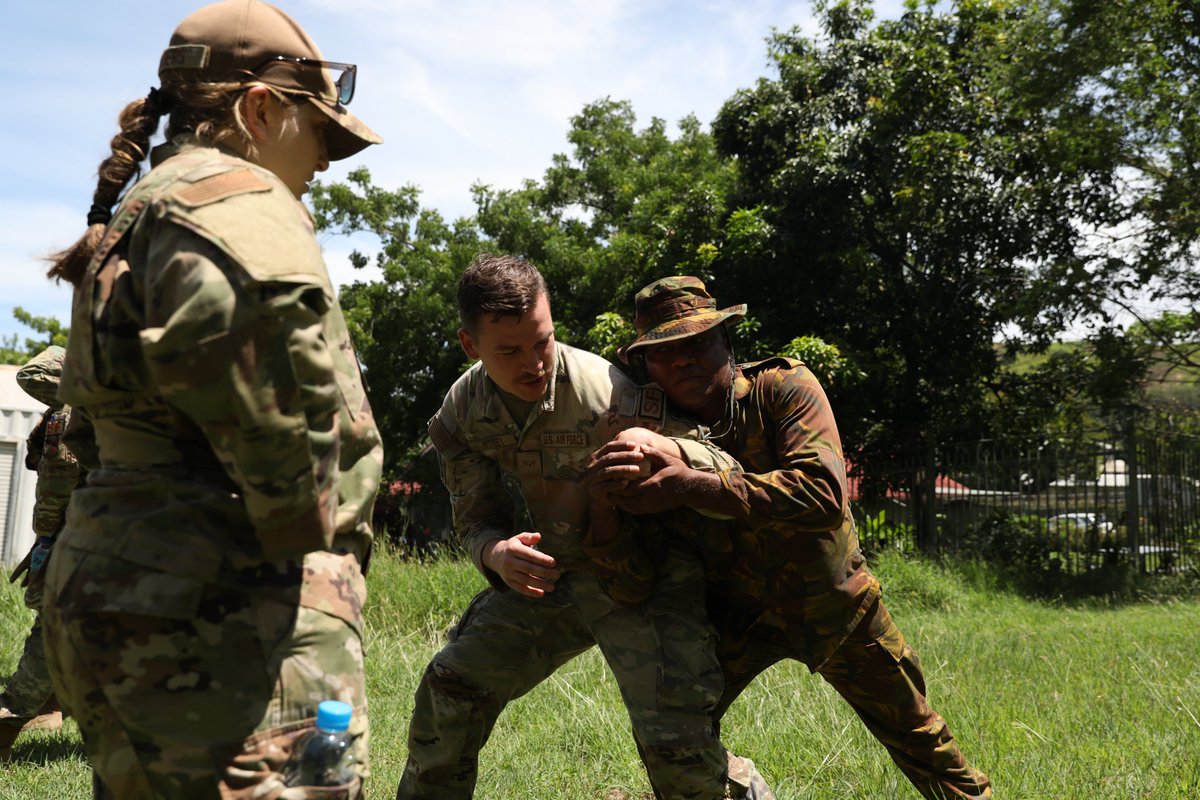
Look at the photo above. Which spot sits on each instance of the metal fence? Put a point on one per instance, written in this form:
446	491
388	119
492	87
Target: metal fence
1129	501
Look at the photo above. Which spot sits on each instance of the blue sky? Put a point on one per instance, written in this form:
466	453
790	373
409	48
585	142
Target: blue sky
461	91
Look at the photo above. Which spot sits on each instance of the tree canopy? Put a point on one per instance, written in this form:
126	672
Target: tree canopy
404	326
905	201
14	350
908	204
625	207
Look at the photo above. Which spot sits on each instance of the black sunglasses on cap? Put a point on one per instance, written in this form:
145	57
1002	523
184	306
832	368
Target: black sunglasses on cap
345	79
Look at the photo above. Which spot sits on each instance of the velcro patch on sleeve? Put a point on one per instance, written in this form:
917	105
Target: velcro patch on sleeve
652	404
628	403
219	187
443	440
529	463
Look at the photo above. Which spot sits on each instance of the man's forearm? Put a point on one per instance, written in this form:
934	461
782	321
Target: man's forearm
480	546
486	551
705	491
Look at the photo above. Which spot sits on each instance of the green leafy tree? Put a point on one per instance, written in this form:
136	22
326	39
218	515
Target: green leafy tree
1122	78
825	360
404	326
900	199
14	350
626	207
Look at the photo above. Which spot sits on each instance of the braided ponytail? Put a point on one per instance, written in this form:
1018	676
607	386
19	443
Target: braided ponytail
138	120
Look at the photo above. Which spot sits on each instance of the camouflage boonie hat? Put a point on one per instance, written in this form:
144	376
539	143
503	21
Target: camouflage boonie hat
247	40
39	378
676	308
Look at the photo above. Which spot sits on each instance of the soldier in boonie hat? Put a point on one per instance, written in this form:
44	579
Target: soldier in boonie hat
675	308
789	580
237	41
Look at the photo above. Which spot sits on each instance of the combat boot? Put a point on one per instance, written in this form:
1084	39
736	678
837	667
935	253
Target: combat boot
48	718
745	781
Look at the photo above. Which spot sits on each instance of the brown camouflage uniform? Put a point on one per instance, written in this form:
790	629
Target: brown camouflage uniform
504	478
787	578
28	696
206	593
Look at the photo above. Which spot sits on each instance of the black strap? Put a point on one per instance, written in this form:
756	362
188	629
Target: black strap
160	101
99	215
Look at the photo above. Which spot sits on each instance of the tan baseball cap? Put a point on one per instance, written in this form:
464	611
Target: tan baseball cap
243	40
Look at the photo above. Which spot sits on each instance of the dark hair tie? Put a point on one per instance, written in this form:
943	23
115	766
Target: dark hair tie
99	215
160	101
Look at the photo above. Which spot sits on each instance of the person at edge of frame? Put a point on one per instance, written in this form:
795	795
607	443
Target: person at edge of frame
27	701
514	436
206	592
786	576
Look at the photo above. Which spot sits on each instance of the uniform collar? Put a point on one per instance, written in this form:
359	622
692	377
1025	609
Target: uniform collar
184	143
741	384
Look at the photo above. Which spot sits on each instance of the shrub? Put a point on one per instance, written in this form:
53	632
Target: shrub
1012	540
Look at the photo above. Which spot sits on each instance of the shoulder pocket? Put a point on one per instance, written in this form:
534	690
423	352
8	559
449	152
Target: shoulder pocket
256	222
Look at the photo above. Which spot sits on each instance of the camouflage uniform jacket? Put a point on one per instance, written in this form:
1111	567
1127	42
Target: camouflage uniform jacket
209	355
504	478
57	468
795	553
791	560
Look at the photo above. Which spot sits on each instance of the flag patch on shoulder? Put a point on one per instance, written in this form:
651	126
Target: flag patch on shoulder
219	187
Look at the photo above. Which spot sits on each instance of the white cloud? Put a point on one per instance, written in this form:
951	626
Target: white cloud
462	92
29	232
484	91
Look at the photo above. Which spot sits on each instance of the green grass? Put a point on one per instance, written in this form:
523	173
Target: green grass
1091	699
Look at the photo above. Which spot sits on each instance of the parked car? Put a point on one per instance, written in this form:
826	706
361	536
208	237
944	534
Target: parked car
1083	531
1080	521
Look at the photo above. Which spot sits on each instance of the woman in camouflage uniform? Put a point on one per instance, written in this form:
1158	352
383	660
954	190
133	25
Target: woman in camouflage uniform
206	592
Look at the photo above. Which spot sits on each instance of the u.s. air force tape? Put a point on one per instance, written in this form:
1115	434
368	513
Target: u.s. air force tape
564	439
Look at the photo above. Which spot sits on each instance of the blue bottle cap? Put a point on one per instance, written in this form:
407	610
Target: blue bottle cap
334	715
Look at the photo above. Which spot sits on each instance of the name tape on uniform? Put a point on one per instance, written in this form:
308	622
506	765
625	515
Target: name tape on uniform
564	440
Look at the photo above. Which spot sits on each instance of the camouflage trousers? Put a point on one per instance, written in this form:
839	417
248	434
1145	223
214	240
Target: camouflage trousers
879	675
29	689
209	704
662	655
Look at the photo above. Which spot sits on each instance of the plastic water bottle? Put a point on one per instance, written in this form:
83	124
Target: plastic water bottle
323	757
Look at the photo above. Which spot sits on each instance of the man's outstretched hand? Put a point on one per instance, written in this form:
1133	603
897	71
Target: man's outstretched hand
523	568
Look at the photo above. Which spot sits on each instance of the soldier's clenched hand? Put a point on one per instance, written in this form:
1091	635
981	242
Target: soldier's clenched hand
614	466
667	487
522	568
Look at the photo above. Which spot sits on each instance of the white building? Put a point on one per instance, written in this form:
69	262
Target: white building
19	414
1163	492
